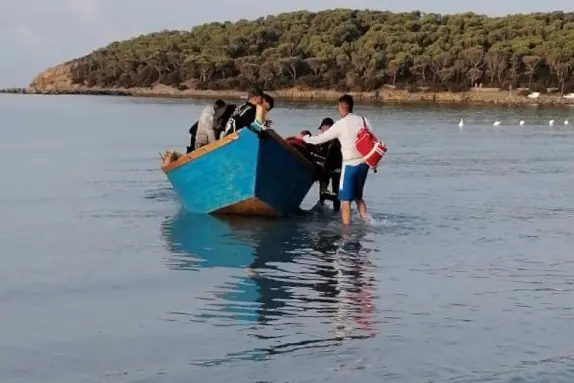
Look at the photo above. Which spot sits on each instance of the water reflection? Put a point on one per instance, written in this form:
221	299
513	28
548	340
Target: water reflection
284	276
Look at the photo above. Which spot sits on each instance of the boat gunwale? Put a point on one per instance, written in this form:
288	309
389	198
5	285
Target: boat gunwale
197	153
200	152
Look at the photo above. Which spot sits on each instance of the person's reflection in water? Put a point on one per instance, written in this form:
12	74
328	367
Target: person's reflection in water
297	270
358	290
281	290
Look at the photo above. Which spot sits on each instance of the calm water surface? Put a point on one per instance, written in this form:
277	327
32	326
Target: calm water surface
464	274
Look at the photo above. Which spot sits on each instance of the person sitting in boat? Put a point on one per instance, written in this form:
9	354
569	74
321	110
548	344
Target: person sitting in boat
205	126
203	132
244	116
332	163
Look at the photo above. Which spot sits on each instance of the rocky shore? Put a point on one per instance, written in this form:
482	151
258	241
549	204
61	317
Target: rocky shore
93	92
57	81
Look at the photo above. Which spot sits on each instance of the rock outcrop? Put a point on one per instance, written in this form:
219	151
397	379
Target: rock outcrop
58	78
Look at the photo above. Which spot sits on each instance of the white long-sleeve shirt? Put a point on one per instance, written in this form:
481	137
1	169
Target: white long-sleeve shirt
345	130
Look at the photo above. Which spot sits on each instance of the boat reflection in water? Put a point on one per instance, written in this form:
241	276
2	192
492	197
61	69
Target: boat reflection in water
292	274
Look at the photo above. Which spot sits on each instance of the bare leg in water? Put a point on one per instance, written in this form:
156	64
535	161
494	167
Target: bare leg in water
346	212
362	206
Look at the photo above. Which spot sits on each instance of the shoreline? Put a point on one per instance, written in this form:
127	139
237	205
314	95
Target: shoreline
478	96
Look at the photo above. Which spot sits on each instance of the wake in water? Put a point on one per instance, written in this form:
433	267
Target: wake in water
381	223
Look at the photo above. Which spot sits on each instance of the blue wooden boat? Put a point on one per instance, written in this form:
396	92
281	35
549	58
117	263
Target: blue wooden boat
244	173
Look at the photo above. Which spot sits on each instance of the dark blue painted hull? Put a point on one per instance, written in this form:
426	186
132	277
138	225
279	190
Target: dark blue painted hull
242	174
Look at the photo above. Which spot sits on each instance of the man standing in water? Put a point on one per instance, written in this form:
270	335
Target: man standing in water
354	170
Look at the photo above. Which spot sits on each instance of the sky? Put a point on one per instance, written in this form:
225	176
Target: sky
36	34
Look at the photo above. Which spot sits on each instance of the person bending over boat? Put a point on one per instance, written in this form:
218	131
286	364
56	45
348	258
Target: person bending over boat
332	163
244	116
354	169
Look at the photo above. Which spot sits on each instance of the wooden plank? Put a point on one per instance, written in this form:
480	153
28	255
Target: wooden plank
251	206
200	152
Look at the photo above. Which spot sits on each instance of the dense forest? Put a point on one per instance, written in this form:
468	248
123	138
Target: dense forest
357	50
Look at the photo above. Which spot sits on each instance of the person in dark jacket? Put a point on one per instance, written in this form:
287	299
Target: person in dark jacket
331	171
244	115
221	117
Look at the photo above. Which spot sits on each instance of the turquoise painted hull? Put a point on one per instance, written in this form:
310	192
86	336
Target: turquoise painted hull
243	174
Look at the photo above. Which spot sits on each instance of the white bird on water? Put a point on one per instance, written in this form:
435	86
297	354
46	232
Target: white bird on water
566	122
496	123
461	123
551	123
522	122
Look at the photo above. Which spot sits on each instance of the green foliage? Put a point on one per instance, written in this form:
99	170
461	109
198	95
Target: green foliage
345	50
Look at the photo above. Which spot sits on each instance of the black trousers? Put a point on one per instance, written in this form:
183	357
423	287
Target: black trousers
192	134
334	179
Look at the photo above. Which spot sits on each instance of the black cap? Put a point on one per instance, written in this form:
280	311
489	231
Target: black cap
327	121
255	92
267	97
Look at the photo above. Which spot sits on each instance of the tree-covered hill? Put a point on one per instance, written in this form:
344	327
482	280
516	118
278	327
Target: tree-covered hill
357	50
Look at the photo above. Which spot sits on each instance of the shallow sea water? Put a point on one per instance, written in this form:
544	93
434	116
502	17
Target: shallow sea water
464	274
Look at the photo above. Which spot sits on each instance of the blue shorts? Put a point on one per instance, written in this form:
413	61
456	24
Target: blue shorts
352	182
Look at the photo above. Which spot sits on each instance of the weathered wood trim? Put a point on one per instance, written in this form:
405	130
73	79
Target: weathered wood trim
200	152
250	206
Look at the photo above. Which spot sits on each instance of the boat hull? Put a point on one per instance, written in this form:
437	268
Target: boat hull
242	174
